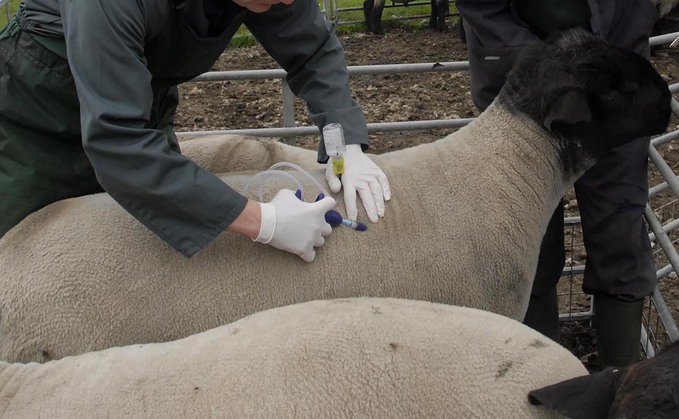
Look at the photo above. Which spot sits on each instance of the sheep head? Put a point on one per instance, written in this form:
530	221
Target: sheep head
591	95
644	389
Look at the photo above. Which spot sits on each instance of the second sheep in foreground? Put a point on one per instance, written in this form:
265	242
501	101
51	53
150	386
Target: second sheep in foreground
349	358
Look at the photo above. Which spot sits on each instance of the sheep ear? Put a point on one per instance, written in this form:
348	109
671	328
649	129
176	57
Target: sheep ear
568	108
580	397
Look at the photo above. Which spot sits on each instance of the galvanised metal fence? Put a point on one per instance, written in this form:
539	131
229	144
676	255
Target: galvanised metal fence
333	11
4	8
289	129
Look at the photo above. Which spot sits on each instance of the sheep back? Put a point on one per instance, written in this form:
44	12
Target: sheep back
97	278
360	357
235	153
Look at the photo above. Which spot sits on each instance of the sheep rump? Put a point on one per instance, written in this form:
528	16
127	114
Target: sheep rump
364	357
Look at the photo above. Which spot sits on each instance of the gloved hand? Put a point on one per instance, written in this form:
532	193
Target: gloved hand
361	175
293	225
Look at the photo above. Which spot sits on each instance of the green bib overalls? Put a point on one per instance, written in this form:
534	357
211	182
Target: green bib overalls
41	154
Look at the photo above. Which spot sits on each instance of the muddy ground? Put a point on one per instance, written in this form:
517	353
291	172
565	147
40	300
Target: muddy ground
405	97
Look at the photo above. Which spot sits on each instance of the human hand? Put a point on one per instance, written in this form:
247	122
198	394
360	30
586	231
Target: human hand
293	225
260	6
361	175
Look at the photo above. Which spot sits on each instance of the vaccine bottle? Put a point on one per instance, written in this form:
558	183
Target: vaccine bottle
333	138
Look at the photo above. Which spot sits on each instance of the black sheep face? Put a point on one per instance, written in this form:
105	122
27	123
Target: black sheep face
646	389
591	95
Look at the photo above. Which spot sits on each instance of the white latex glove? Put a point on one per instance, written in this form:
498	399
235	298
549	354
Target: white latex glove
361	175
293	225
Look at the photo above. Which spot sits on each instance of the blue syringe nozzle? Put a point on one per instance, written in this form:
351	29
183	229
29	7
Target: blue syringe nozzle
354	224
333	218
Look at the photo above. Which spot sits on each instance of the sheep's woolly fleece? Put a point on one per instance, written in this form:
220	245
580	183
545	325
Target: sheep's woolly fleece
82	274
101	279
366	357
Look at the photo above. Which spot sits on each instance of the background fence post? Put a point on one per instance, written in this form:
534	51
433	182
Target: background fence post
288	111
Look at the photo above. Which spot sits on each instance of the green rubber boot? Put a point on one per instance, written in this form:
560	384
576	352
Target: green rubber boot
543	314
618	331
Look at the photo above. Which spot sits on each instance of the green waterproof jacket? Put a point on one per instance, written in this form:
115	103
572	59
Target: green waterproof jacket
123	52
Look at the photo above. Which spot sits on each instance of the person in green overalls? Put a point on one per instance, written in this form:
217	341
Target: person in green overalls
620	269
88	92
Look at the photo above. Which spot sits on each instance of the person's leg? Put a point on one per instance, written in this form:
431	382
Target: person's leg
618	331
543	307
620	269
41	156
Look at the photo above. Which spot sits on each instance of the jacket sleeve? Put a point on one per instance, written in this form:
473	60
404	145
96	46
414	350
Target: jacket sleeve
495	23
180	202
304	44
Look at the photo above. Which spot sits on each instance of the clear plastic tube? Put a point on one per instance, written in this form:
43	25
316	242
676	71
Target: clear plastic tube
301	171
332	217
275	170
267	174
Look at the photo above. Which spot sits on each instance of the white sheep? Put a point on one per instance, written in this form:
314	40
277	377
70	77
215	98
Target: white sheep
360	358
464	227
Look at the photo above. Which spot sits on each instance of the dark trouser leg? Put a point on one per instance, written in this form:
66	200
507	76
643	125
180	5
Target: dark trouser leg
41	157
620	270
612	196
543	308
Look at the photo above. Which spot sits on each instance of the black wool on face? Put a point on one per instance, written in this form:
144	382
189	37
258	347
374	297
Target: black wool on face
578	90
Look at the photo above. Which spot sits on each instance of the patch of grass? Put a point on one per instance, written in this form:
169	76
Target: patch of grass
243	38
12	6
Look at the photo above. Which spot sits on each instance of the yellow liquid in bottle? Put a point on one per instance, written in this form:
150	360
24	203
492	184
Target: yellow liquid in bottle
338	165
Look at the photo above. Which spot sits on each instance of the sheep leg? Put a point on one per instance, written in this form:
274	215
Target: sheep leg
372	10
437	20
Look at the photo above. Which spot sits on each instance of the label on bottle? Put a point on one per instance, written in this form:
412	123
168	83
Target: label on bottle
333	138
